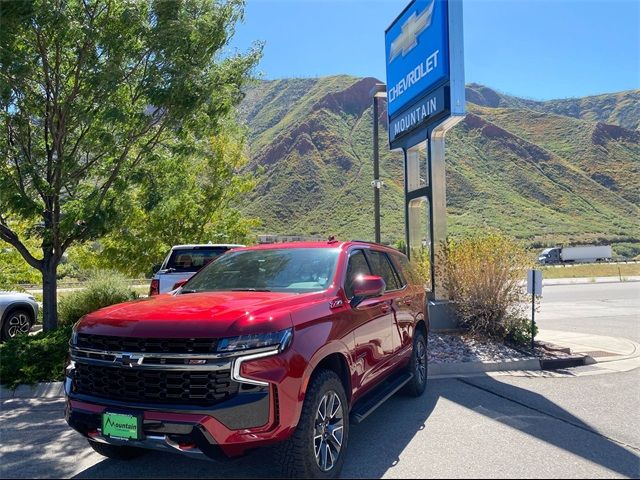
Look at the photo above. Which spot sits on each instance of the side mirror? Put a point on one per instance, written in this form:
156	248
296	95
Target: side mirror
366	286
156	268
179	283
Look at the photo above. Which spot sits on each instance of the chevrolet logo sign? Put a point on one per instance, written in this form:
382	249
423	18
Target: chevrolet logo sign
414	26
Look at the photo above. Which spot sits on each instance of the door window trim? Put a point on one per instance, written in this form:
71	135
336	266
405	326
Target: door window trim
393	270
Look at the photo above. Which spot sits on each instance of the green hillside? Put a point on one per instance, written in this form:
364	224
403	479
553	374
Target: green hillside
542	176
622	108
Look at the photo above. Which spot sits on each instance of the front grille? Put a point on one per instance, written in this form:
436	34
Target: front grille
154	386
148	345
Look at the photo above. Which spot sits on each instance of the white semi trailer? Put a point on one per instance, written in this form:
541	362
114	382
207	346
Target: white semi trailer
582	254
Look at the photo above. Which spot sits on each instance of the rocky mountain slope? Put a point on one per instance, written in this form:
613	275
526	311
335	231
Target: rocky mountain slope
562	171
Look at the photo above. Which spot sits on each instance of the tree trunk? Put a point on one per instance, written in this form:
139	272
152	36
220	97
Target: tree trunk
49	294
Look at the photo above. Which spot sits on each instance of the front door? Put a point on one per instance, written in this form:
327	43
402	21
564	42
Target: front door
373	324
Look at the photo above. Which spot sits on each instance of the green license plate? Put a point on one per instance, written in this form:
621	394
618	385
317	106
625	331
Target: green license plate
121	425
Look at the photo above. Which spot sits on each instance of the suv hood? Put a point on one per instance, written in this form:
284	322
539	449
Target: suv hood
196	315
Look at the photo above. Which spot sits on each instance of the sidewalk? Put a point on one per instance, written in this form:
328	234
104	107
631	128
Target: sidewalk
604	354
583	280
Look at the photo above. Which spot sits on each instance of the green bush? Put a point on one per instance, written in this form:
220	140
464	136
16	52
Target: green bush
519	331
484	277
103	288
42	357
34	358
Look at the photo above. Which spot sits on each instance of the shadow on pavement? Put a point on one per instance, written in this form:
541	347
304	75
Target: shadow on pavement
540	421
394	425
375	446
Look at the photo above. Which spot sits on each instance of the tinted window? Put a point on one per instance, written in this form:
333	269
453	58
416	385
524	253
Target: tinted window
357	266
382	267
192	259
404	268
293	270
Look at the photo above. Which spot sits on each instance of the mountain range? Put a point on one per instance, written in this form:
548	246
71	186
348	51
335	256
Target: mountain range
547	172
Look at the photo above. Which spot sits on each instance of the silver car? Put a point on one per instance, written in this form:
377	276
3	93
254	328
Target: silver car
18	313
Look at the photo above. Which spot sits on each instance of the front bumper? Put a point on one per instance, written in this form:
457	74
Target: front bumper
226	429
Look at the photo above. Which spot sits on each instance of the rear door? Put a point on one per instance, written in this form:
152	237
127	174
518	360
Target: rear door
411	304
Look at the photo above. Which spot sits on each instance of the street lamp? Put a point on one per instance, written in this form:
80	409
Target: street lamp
378	91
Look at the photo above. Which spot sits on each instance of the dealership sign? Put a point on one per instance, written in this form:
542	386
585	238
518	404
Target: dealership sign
429	107
422	69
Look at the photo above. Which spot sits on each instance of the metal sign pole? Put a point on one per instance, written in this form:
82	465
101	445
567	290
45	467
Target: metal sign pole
533	309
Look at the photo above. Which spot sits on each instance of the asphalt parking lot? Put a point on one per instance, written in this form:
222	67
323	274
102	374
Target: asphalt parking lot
504	426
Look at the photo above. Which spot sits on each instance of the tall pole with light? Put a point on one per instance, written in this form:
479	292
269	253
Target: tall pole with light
377	92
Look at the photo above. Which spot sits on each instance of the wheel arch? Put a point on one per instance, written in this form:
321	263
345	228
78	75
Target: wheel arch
17	305
337	363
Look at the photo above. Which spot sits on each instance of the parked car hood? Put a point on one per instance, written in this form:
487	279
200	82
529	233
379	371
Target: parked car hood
200	315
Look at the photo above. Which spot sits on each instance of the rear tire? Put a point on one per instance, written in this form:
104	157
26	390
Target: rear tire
317	447
418	366
117	452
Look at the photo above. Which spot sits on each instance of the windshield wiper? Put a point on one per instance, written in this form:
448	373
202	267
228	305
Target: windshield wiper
250	290
182	292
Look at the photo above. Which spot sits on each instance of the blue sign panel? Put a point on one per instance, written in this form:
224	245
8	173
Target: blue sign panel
417	52
421	112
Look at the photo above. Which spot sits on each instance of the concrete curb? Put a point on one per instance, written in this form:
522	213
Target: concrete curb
39	390
464	368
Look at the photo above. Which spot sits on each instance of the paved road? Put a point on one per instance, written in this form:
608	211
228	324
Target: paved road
611	309
474	427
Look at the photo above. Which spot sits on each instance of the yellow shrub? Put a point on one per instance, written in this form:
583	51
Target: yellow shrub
484	275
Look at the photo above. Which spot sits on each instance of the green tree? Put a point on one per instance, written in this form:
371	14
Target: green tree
89	90
180	199
13	269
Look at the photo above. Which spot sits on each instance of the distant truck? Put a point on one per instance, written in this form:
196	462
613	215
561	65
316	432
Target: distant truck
584	254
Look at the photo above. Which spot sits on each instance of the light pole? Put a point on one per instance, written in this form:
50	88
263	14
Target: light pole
378	91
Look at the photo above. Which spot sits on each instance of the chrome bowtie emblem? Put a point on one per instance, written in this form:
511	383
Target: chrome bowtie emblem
414	26
129	359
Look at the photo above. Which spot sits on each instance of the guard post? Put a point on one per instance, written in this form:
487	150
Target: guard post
425	98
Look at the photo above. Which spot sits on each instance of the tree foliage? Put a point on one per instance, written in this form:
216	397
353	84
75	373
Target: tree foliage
180	199
90	93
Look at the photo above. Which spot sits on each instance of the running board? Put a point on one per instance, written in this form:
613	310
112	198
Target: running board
377	397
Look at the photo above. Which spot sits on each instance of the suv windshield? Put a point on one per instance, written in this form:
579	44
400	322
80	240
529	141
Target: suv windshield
192	259
294	270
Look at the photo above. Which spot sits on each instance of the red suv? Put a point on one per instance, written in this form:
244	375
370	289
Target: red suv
282	344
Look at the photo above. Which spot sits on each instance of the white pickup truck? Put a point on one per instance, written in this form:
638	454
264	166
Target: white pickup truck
182	262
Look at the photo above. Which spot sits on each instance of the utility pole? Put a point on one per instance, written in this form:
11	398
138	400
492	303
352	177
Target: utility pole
378	91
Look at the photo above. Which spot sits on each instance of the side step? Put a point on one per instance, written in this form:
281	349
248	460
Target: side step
378	396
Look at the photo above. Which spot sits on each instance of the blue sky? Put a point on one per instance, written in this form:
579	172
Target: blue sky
539	49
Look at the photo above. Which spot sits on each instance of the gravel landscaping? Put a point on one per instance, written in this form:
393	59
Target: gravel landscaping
447	348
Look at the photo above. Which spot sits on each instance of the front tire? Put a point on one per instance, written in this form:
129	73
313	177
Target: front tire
317	447
418	366
117	452
18	322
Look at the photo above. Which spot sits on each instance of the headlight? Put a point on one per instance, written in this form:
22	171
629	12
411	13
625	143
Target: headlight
74	338
247	342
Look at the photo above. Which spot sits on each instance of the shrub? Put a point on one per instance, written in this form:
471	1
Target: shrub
484	276
34	358
103	288
420	265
